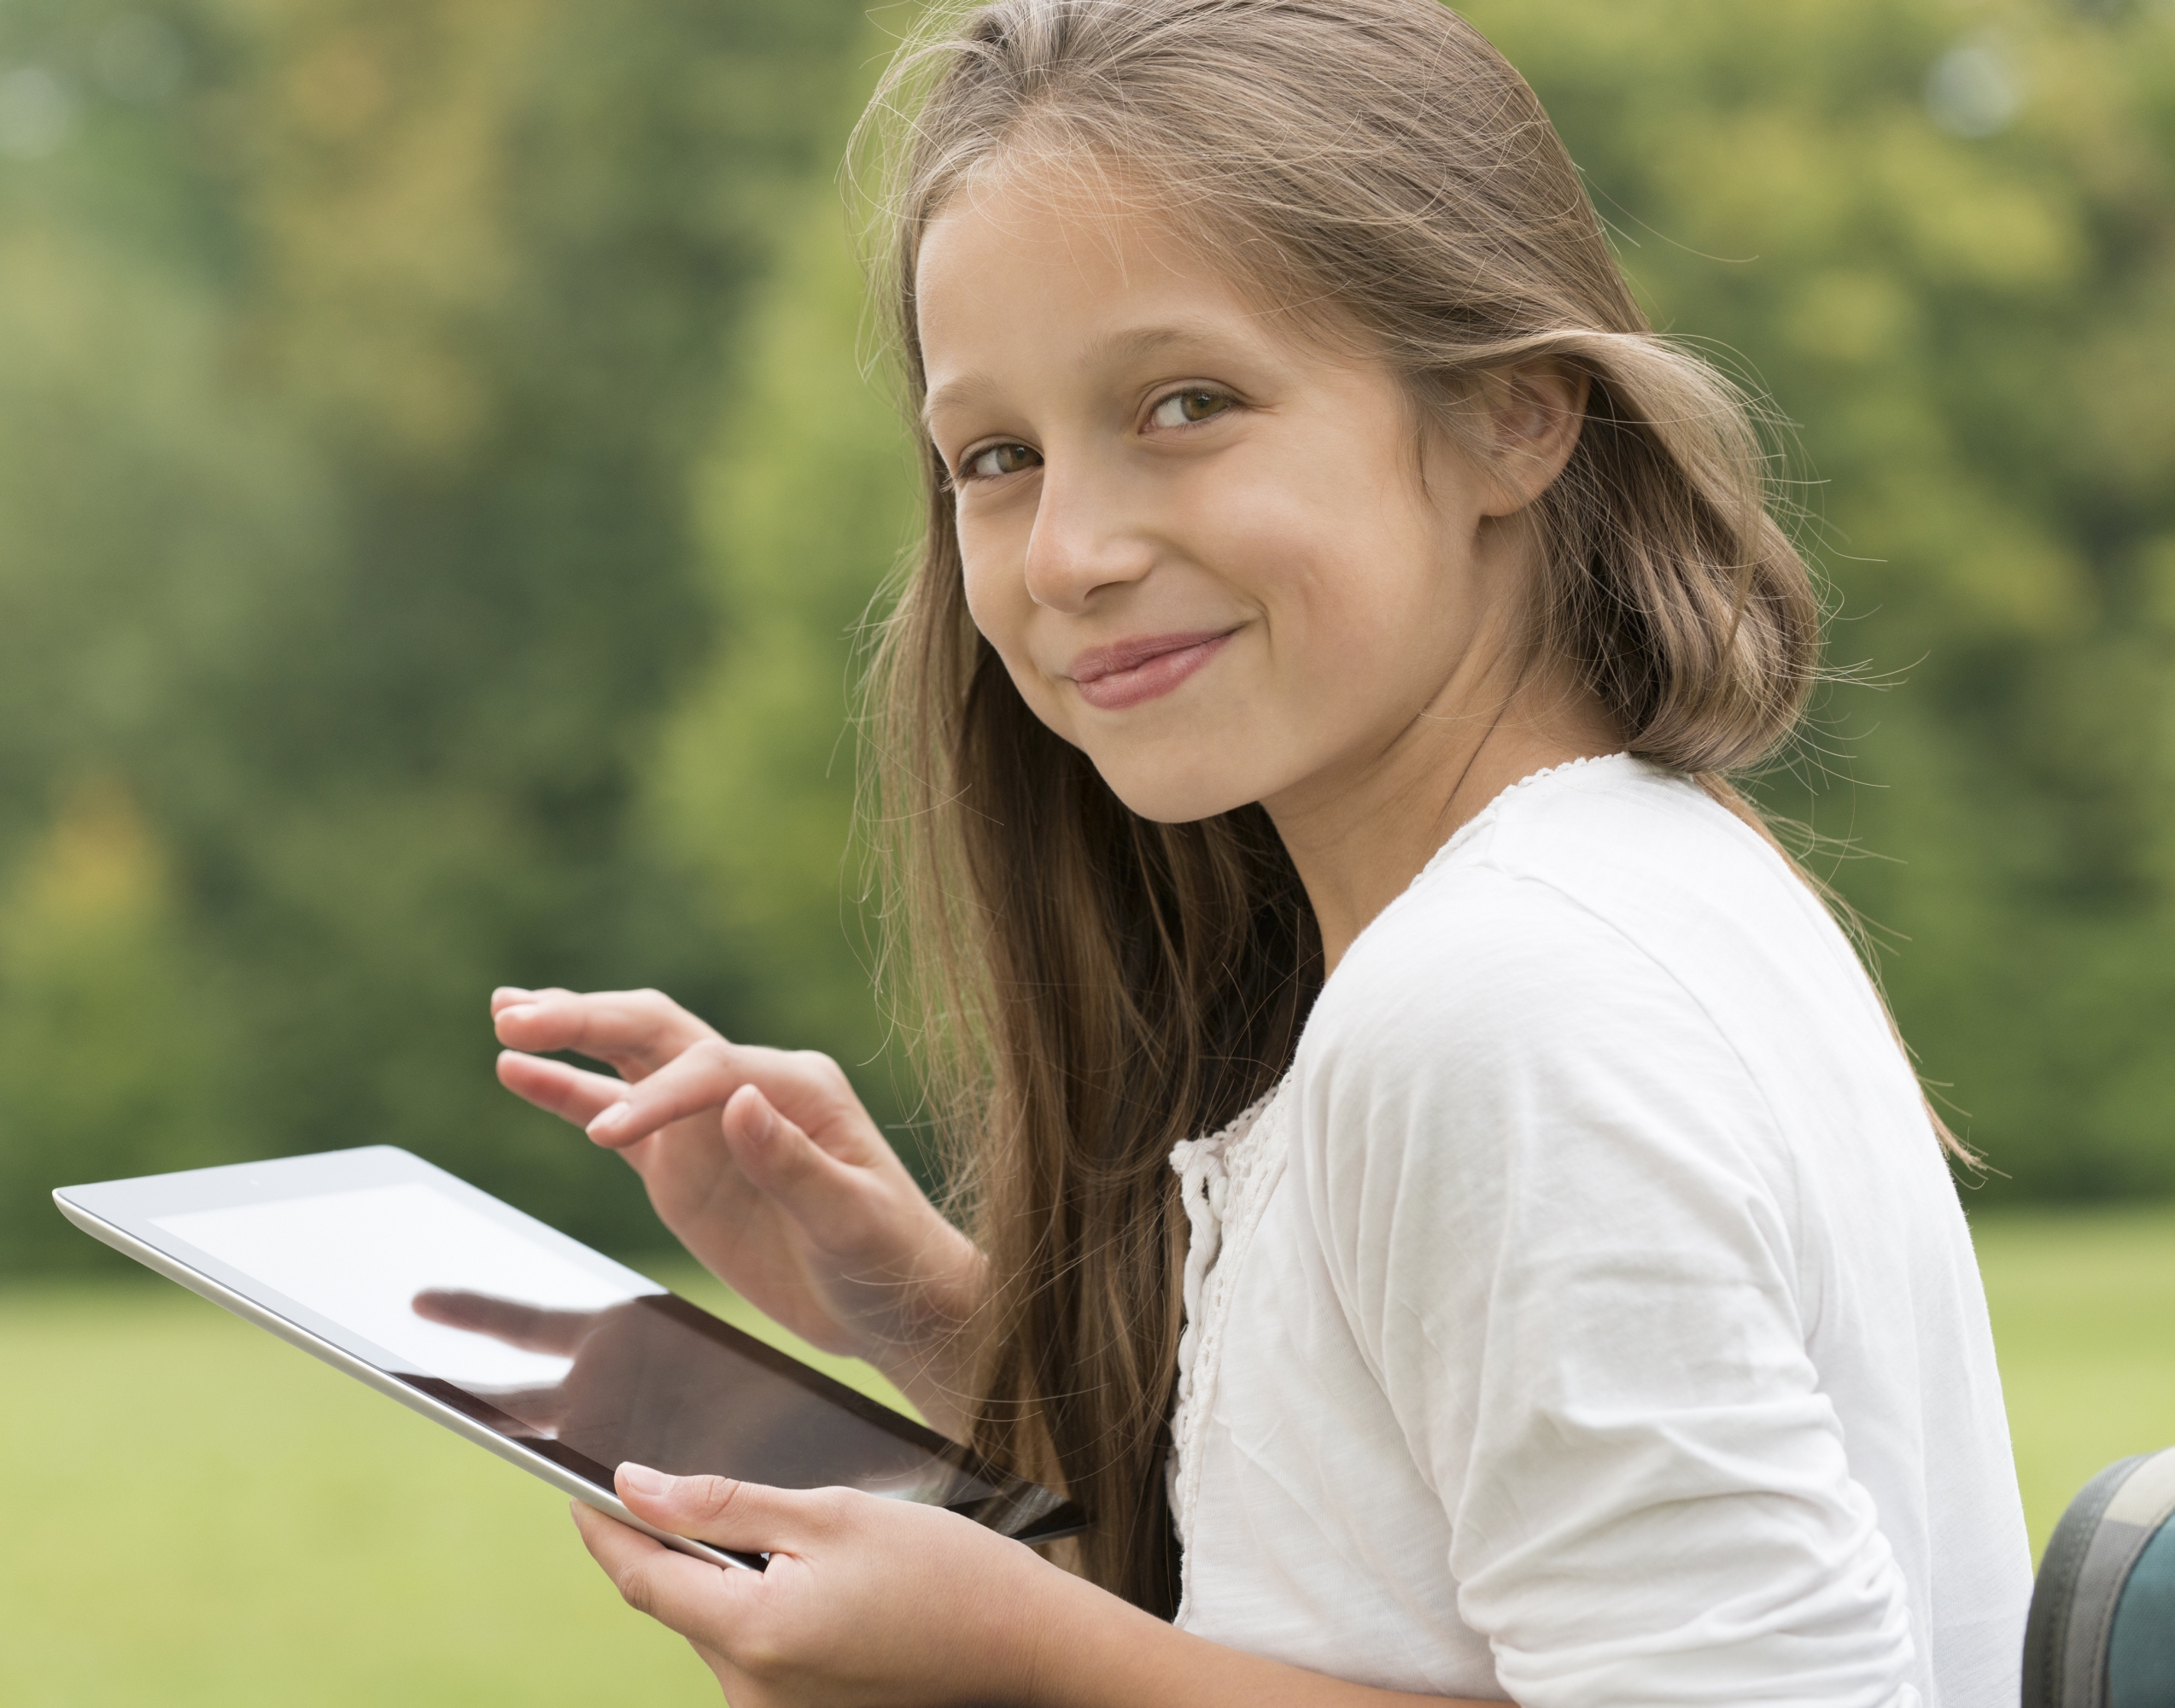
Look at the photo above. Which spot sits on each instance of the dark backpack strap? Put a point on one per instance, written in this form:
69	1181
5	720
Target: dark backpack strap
2088	1564
2141	1648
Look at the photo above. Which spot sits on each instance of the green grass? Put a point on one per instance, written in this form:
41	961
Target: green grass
2084	1308
199	1514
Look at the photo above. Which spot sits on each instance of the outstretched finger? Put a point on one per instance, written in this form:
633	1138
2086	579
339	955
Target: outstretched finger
572	1093
703	1077
637	1032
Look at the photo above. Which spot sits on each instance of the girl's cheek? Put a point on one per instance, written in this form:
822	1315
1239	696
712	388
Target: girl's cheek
984	601
1000	609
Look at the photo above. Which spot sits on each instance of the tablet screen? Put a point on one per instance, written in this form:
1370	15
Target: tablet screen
361	1257
585	1367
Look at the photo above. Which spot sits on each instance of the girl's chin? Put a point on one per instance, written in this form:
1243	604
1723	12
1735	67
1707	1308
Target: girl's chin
1175	799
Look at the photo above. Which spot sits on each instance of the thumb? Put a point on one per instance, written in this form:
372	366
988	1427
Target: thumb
748	1518
807	1181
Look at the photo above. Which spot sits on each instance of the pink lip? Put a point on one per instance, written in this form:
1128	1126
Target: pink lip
1127	672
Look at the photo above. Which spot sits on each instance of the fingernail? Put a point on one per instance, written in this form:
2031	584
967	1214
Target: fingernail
610	1117
512	991
766	1117
644	1481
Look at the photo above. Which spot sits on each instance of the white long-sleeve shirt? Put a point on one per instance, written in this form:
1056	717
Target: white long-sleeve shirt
1590	1317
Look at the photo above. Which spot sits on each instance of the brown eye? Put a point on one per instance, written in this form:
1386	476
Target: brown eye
1001	459
1181	408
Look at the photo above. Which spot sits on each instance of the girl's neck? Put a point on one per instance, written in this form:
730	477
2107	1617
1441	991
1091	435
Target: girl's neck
1359	838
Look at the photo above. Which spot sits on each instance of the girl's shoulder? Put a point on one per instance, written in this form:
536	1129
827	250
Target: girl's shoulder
1619	841
1607	991
1609	906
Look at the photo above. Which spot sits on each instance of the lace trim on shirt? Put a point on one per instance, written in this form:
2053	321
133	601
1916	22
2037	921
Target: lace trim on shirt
1486	814
1225	1180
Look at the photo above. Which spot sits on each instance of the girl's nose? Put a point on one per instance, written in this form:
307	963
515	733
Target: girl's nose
1084	539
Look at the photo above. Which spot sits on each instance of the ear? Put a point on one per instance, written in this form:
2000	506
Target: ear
1534	414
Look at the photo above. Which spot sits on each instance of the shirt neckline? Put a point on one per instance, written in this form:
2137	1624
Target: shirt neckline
1587	762
1465	832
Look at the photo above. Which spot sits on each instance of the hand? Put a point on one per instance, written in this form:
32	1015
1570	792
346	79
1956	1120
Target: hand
866	1600
869	1601
766	1166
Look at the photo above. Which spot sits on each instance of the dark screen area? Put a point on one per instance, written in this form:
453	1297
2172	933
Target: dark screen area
660	1382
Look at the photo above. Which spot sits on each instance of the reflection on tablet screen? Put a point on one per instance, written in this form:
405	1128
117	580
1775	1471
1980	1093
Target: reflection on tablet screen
539	1347
360	1257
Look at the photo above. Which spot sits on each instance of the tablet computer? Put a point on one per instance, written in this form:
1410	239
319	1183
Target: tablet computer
528	1342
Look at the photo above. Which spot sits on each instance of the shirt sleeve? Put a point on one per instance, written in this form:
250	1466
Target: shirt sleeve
1560	1221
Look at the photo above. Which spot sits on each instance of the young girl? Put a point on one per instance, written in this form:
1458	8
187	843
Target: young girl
1443	1192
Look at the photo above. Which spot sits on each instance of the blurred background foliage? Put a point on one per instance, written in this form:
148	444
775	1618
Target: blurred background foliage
439	491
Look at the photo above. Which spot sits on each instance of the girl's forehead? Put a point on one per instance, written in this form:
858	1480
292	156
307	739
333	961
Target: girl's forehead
1054	243
1059	220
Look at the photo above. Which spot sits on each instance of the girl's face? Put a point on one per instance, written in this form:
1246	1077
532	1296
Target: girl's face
1215	554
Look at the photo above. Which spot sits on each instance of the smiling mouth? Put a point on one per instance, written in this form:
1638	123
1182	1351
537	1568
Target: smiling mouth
1111	678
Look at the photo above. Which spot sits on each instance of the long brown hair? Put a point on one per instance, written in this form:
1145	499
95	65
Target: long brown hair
1088	986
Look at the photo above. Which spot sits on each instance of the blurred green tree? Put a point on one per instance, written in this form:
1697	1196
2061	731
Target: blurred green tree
108	1059
357	357
808	500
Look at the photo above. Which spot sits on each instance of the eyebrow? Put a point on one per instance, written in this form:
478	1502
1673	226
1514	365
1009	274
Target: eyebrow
1128	346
